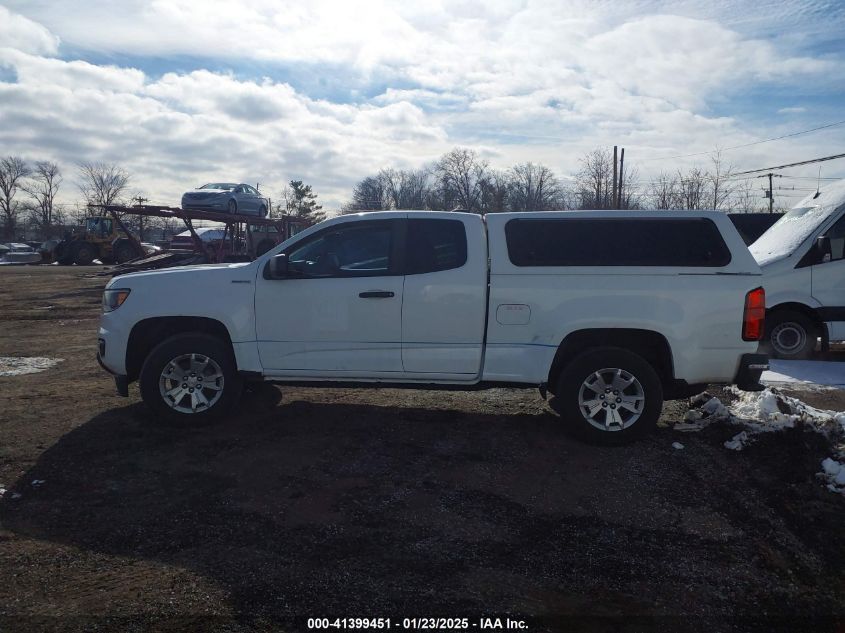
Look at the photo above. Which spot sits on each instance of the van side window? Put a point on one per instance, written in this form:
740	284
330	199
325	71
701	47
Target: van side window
435	245
693	242
836	233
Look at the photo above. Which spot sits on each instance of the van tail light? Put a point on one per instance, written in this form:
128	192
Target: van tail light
754	315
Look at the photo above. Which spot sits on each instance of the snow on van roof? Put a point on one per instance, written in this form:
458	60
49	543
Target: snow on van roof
788	233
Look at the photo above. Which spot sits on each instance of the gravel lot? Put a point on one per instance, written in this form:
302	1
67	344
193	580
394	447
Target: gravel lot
384	503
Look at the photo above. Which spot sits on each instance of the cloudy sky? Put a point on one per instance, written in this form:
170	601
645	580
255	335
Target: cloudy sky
182	92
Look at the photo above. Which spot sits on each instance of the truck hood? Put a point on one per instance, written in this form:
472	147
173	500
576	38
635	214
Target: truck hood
244	271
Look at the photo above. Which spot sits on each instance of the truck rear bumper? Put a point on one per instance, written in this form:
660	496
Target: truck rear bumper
751	366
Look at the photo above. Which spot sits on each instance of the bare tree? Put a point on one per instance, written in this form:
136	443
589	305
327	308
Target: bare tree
404	189
369	195
629	193
42	188
533	187
461	174
494	191
284	203
663	192
692	189
721	185
593	182
746	197
13	169
102	183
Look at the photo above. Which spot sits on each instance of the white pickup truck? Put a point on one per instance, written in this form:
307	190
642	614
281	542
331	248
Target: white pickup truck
612	312
802	257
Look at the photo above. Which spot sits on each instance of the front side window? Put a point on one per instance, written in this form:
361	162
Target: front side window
360	250
693	242
435	245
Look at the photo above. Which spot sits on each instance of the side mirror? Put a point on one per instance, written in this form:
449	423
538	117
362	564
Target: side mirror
279	266
823	250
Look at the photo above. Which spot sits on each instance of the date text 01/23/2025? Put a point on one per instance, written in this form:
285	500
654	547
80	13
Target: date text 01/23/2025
421	624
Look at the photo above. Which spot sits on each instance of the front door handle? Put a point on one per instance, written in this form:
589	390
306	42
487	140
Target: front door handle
376	294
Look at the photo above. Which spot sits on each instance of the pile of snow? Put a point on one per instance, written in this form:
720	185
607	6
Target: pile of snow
770	411
19	365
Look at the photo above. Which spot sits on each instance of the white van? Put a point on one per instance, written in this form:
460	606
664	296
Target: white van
802	257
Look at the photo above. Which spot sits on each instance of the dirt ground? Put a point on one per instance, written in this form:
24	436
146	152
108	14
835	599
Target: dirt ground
383	503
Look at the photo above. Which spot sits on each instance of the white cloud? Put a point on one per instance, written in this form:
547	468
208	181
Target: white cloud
22	34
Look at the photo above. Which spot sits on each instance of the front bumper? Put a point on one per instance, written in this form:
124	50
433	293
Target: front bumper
751	367
121	382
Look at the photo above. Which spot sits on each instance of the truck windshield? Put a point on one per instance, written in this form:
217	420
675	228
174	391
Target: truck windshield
789	233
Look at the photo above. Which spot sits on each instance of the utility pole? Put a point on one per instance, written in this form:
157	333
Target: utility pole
768	194
621	178
140	200
613	196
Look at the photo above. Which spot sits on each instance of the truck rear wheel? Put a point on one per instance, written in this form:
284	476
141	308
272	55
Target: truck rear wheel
190	379
790	335
609	396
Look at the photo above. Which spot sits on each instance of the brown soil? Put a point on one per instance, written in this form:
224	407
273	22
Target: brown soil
383	503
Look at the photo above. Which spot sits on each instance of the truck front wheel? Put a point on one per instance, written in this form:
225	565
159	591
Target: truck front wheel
190	379
609	396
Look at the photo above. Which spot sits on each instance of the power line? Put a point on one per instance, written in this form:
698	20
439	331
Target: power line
768	140
803	162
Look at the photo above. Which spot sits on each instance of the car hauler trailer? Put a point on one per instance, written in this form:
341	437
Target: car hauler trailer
245	237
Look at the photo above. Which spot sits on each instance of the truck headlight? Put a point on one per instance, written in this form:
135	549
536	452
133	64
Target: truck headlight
114	298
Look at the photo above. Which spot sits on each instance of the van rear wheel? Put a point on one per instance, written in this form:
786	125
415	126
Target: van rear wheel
609	396
190	379
790	335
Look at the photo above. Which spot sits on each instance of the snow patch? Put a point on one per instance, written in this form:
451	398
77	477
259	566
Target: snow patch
813	374
19	365
834	473
738	442
770	411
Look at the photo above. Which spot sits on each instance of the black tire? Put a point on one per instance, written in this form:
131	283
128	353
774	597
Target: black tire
63	254
124	251
790	335
199	347
233	206
262	211
83	254
632	424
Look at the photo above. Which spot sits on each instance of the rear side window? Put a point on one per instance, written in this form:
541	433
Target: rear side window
434	245
616	242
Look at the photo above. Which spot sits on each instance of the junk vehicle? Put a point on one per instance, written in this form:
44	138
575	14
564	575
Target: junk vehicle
802	257
18	253
612	312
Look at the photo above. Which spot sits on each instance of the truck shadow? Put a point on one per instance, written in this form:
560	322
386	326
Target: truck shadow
316	509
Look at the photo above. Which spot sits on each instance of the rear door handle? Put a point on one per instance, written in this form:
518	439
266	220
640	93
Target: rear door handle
376	294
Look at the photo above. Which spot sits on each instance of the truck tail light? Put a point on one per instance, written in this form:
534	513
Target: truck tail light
754	315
